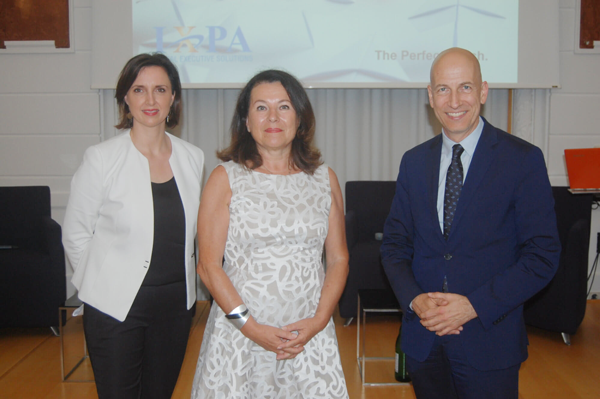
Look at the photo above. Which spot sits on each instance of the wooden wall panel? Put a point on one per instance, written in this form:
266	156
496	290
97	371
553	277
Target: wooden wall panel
590	23
35	20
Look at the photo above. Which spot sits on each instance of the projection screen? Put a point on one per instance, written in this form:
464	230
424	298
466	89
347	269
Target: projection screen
329	43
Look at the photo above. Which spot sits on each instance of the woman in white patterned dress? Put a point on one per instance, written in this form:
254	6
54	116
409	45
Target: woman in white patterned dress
265	217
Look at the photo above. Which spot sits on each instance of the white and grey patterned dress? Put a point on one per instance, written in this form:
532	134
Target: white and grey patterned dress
273	256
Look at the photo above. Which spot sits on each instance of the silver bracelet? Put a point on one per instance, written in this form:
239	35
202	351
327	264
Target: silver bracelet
239	316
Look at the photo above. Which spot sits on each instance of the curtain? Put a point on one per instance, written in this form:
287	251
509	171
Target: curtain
362	133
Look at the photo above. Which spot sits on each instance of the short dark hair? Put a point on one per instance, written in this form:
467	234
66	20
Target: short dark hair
129	74
242	148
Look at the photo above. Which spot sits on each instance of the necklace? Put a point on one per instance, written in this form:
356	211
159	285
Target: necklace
270	172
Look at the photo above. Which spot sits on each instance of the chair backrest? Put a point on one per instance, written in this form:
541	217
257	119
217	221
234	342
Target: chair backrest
560	306
371	202
21	213
569	209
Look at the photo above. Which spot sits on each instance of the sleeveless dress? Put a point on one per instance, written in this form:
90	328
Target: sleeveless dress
273	257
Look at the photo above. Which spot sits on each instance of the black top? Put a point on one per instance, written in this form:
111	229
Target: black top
167	264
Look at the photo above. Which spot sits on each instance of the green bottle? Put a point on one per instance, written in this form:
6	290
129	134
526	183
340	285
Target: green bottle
400	373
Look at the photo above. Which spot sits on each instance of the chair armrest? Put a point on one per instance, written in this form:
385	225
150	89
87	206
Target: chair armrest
575	253
52	236
577	243
54	247
351	229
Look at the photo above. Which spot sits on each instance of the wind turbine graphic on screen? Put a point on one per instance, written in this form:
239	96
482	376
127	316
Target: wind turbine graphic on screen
440	12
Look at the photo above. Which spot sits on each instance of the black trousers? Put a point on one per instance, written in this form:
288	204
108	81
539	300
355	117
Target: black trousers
140	357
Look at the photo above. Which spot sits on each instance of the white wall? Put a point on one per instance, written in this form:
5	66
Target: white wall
49	115
574	109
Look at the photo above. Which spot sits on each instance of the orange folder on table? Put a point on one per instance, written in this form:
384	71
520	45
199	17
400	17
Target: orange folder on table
583	168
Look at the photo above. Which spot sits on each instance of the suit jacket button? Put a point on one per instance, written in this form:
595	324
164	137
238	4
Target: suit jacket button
447	256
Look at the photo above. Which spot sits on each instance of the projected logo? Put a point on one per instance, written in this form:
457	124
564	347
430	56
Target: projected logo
215	40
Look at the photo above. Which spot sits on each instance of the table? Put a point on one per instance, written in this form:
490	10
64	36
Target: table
373	301
74	359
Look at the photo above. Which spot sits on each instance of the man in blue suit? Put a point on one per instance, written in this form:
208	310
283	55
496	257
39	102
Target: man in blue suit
471	235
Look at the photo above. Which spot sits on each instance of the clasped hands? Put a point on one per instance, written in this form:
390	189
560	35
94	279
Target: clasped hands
288	341
444	314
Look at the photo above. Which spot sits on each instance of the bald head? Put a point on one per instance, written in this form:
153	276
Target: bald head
455	56
456	92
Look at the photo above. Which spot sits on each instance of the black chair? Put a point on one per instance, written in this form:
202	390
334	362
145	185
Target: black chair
32	260
560	306
367	206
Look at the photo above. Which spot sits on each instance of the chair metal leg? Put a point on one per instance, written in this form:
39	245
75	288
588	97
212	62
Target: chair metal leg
348	321
55	331
566	338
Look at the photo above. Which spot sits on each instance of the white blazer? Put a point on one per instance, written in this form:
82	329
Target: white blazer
108	230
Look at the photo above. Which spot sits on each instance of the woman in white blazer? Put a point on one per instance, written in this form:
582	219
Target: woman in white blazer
129	235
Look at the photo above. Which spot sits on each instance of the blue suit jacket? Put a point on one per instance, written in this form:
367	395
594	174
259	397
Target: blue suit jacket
502	249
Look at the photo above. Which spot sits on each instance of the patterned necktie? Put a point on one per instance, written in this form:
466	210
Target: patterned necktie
454	183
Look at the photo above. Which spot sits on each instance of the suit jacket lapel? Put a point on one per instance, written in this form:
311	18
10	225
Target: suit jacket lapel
432	174
182	171
482	159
